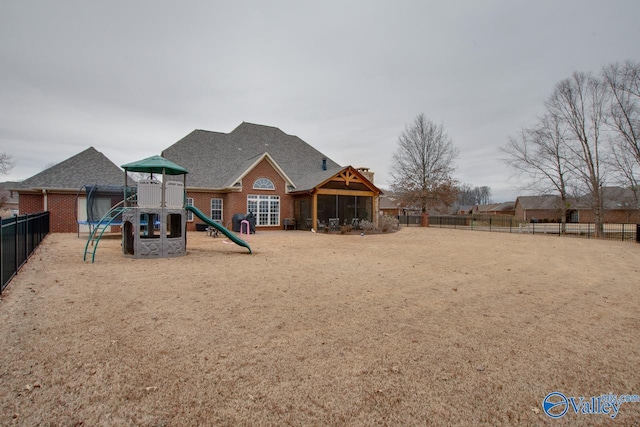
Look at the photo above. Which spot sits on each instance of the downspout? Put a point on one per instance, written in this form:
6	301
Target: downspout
45	200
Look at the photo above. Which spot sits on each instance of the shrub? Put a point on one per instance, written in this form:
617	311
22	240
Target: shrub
388	223
367	226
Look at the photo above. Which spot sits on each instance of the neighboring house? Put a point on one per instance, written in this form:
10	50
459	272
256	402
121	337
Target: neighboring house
8	199
620	205
390	205
262	170
60	188
463	209
538	208
505	208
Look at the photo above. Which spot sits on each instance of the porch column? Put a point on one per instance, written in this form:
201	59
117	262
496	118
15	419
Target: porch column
314	211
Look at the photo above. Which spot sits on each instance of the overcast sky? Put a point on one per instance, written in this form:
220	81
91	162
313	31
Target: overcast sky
130	78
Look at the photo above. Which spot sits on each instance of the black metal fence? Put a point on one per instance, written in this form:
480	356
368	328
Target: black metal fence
509	224
410	220
19	236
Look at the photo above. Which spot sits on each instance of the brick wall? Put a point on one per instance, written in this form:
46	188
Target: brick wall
30	203
540	214
202	201
612	216
63	212
61	206
236	202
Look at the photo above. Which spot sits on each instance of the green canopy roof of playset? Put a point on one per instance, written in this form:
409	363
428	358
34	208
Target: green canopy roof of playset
155	164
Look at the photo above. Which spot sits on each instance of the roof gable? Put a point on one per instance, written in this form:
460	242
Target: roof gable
347	175
217	160
273	164
87	167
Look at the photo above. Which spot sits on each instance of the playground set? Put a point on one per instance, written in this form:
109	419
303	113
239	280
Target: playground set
152	216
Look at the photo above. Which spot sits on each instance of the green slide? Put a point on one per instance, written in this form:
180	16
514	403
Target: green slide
218	227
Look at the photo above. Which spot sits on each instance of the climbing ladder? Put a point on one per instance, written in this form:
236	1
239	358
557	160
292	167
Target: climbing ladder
94	236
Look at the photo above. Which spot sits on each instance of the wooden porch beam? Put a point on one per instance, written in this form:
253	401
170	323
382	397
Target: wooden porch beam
334	191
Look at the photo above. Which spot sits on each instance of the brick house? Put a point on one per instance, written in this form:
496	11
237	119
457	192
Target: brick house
255	168
390	205
620	206
538	208
60	189
278	177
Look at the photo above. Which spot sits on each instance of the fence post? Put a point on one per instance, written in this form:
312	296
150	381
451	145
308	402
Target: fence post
425	219
16	240
638	233
1	259
490	220
26	238
623	232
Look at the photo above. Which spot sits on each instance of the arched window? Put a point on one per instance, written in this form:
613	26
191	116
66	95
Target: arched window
263	184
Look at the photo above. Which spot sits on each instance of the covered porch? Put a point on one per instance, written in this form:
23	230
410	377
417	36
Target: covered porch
346	198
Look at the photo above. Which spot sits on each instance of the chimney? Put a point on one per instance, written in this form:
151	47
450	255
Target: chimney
366	173
324	163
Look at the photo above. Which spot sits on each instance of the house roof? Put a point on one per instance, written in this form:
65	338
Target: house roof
87	167
543	202
488	208
502	207
217	160
5	188
388	201
619	198
612	197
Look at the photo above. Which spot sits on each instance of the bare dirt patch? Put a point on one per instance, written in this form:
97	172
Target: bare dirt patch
419	327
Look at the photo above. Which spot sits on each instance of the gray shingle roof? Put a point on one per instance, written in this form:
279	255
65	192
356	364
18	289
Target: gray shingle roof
539	202
613	198
216	160
88	167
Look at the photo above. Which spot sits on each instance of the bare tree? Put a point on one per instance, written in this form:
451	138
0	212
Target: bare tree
469	195
484	195
6	163
579	103
623	83
466	195
540	156
423	163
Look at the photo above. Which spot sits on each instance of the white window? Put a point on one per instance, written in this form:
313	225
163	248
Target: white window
265	208
189	213
216	210
263	184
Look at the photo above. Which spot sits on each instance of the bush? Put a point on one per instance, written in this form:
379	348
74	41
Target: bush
367	226
388	223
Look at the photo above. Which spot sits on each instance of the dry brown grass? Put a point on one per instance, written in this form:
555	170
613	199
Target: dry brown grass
420	327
